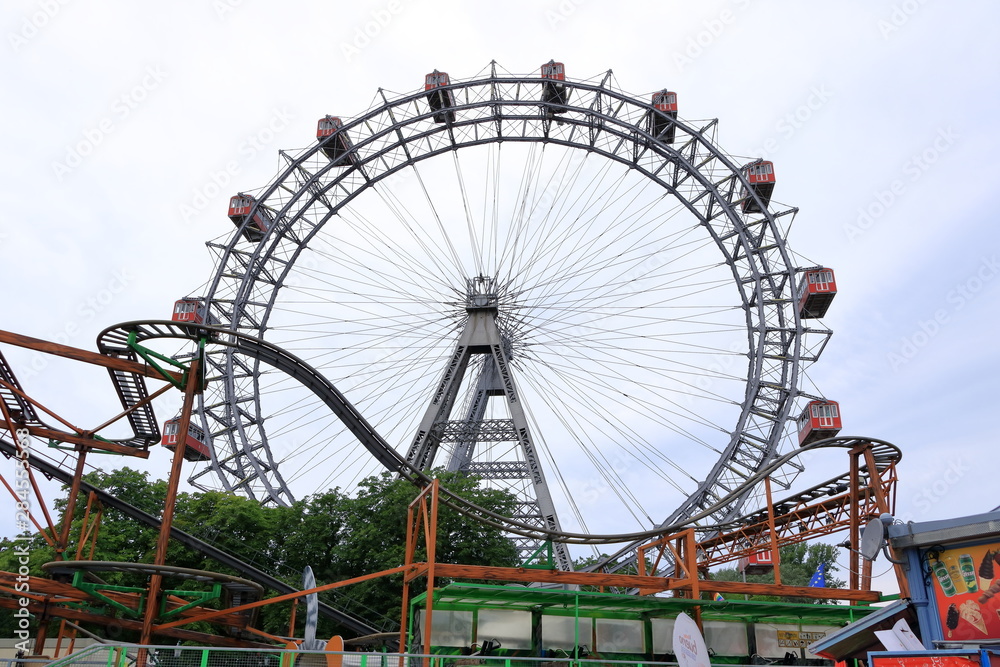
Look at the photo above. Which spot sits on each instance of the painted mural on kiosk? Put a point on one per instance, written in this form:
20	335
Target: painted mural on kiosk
967	587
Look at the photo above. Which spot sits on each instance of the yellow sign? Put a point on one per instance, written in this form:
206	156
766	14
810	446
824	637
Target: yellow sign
797	639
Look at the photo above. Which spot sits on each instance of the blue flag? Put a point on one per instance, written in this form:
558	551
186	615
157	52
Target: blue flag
819	577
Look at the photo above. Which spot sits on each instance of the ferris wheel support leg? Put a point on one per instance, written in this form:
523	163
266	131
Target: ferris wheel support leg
482	336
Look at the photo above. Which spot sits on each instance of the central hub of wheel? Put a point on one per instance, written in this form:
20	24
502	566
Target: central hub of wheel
481	294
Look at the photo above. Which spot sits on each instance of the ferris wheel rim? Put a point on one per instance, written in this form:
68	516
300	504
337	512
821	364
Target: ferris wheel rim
754	300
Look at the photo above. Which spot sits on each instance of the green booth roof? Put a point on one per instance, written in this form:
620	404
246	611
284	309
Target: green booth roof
467	597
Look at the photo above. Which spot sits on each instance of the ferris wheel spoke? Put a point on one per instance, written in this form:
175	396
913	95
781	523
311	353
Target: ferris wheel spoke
583	425
603	468
658	412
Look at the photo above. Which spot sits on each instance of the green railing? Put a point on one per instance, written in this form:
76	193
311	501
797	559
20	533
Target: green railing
130	655
23	662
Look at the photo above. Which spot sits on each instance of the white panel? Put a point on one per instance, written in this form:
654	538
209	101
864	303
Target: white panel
451	628
511	628
559	632
723	638
619	636
726	638
663	635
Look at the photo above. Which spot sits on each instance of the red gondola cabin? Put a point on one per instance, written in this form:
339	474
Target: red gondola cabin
761	179
820	419
190	310
239	212
554	90
758	563
195	448
816	291
334	140
661	120
439	96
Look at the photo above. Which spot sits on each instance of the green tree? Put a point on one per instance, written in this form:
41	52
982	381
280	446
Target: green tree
340	536
799	563
366	533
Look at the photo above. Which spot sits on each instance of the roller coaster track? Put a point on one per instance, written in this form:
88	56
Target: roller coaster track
20	409
122	341
129	385
822	509
122	337
819	510
53	471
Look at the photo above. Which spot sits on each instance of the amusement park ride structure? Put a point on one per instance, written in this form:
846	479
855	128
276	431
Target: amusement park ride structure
221	423
845	502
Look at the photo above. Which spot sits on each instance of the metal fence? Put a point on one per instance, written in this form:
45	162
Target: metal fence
129	655
23	662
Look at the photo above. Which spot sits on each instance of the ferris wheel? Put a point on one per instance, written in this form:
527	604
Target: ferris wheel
564	289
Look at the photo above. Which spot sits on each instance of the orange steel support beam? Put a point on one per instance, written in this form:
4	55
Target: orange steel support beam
14	390
50	434
86	356
806	520
408	557
53	593
79	436
636	581
820	518
62	634
775	557
281	598
121	415
422	513
882	503
430	540
23	455
88	529
265	635
43	628
167	519
291	620
71	505
41	531
100	619
855	522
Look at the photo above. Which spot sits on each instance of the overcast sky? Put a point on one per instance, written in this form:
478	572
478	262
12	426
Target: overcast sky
126	126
